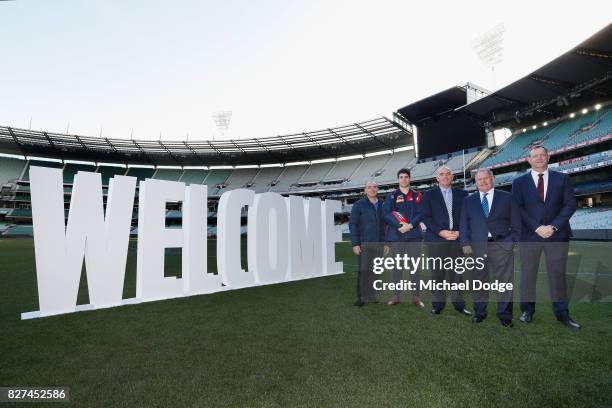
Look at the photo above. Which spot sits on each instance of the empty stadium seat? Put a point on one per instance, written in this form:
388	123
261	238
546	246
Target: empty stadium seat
168	174
10	169
71	169
193	176
109	171
141	173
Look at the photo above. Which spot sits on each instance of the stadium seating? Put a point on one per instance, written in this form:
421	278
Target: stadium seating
71	169
19	231
592	218
10	169
52	164
194	176
343	170
20	213
263	179
110	171
288	177
506	178
217	177
316	173
239	178
368	168
168	174
585	162
141	173
403	159
559	135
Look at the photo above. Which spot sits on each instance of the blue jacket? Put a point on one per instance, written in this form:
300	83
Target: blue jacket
504	222
408	205
366	222
557	208
435	214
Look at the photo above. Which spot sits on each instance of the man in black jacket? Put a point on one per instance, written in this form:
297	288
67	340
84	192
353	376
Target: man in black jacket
367	232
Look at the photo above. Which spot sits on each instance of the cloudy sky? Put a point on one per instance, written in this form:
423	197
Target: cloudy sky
146	68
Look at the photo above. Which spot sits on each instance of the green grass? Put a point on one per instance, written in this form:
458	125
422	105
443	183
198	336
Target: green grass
298	344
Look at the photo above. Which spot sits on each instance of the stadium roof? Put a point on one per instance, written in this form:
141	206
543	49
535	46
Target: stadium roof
434	105
358	138
580	76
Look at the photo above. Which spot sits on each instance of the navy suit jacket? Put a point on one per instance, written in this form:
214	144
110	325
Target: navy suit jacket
435	214
556	210
503	222
366	223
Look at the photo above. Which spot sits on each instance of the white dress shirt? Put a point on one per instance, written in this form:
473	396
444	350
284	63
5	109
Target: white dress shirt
535	177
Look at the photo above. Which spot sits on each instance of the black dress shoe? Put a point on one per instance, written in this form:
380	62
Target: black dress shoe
477	319
571	324
464	311
507	323
436	311
358	303
526	317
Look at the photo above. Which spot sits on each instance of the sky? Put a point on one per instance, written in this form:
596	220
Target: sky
151	69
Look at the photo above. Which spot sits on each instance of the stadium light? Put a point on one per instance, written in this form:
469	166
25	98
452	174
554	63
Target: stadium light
572	115
490	46
545	124
534	127
524	130
584	111
598	106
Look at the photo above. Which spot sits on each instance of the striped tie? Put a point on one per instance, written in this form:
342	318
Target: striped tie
485	205
448	199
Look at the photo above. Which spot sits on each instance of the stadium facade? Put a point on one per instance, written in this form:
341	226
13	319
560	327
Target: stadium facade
565	105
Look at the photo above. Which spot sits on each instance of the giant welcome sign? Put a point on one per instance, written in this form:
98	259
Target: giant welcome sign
287	239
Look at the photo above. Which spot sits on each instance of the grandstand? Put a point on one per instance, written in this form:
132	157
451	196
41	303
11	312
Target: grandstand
567	134
570	116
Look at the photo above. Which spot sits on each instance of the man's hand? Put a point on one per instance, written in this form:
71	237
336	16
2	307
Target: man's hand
357	250
449	235
467	250
545	231
405	228
386	250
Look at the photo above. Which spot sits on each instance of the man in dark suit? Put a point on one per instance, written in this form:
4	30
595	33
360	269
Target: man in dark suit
546	200
367	233
490	225
441	211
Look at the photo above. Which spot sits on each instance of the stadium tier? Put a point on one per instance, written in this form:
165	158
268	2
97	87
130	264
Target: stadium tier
168	174
591	128
140	173
592	218
362	137
193	176
10	169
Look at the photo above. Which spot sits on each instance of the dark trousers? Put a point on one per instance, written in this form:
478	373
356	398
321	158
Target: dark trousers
443	250
499	264
413	249
556	260
365	290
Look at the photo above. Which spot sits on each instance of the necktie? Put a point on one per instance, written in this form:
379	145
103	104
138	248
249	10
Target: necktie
541	186
448	200
485	205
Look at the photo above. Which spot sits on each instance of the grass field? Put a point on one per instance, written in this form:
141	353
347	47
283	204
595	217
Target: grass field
299	344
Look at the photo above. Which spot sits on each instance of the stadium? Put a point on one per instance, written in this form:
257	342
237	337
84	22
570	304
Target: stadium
302	343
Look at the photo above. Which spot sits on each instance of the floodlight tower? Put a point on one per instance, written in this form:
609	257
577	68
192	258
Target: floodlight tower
489	47
222	121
